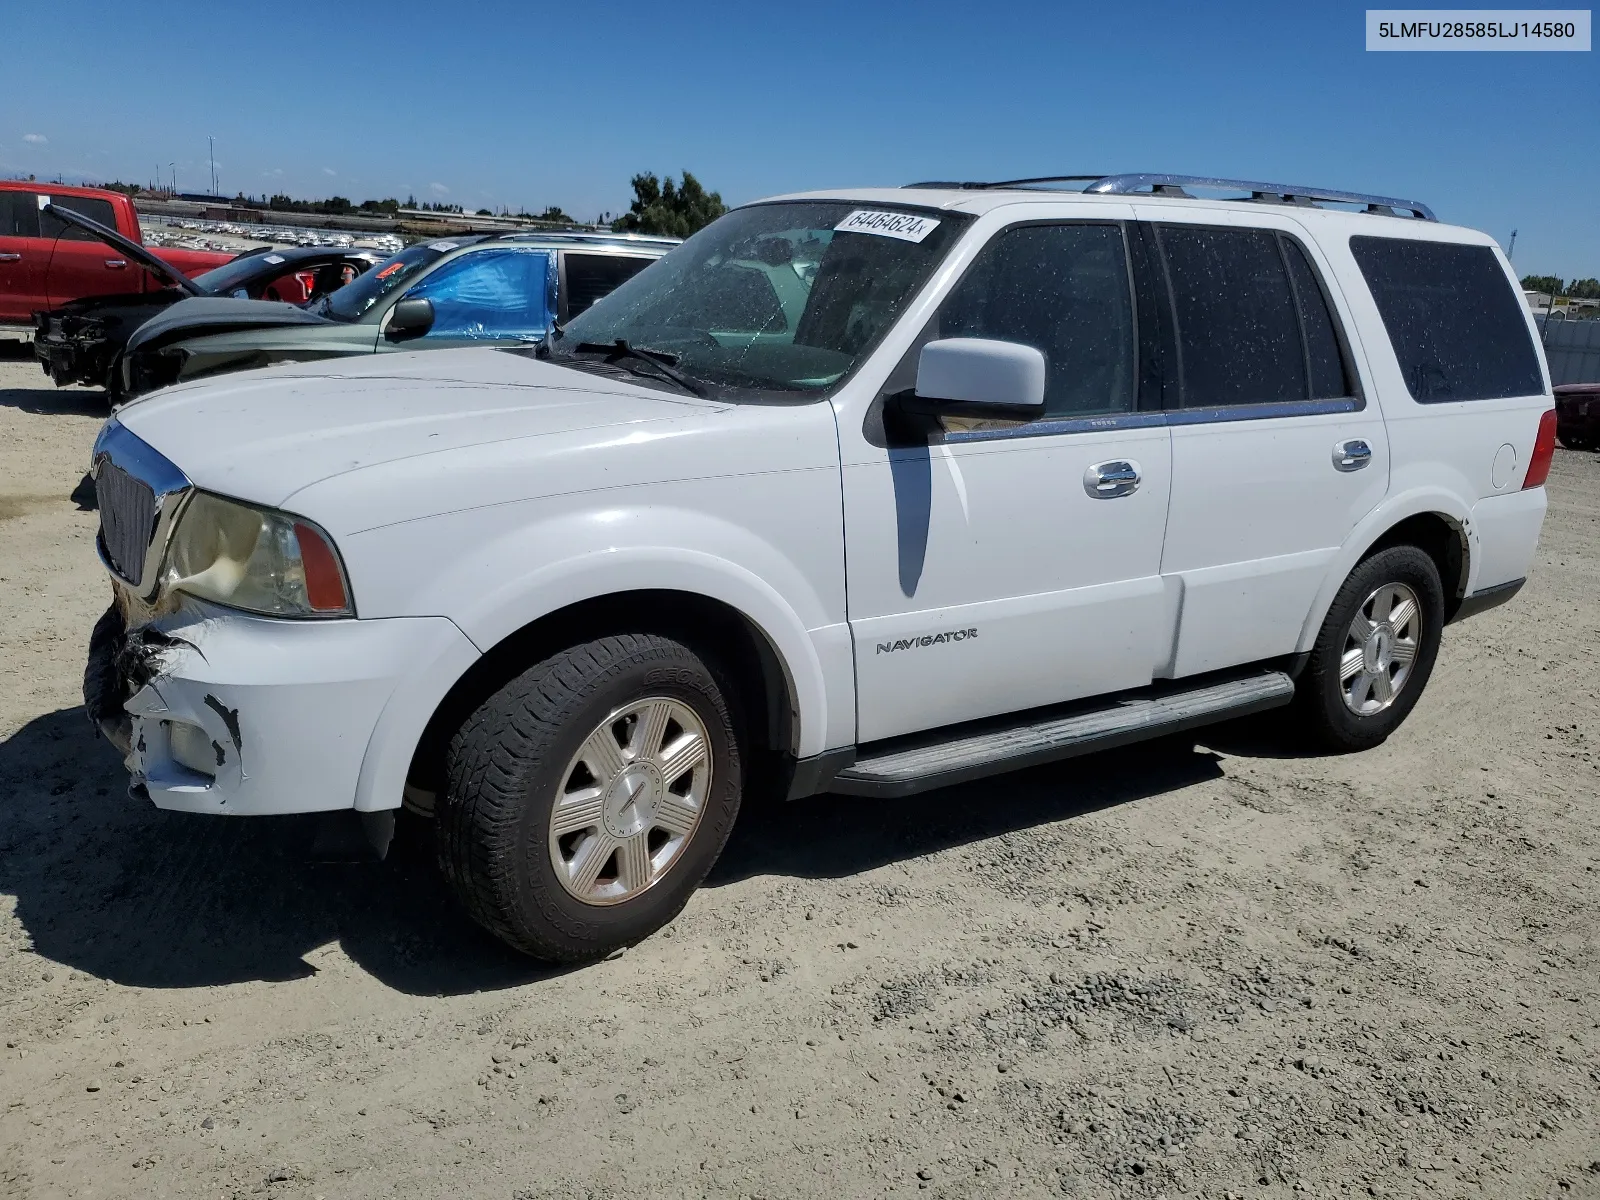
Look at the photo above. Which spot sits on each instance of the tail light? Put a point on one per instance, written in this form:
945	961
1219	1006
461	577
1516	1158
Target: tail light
1544	449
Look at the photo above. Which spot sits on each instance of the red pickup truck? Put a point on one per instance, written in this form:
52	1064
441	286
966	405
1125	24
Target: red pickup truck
45	262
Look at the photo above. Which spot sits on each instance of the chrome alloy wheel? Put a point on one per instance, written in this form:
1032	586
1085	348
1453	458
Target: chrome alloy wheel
1380	648
631	798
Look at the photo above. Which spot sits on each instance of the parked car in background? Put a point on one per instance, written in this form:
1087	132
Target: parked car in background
481	290
45	262
867	492
1578	415
81	341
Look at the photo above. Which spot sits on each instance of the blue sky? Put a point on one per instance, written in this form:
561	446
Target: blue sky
529	104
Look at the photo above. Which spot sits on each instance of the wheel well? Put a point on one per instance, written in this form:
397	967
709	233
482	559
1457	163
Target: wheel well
1444	541
714	630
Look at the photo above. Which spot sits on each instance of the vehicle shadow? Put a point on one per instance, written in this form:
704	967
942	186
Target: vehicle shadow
828	836
74	402
113	887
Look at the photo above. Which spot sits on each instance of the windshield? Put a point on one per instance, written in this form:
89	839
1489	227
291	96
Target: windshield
359	295
776	297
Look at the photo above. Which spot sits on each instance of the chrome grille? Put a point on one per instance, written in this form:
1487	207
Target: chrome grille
127	519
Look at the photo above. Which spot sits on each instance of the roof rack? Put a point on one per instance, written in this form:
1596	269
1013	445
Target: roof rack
1175	185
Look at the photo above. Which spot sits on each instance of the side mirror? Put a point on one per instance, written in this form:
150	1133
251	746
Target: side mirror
977	377
408	319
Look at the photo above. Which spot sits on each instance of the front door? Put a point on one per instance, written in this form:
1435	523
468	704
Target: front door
1276	456
80	263
995	567
497	295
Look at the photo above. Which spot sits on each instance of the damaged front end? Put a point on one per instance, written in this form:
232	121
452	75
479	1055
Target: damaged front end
231	671
81	342
135	694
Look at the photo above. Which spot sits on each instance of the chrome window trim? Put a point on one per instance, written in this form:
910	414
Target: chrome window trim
1048	427
171	487
1171	417
1263	412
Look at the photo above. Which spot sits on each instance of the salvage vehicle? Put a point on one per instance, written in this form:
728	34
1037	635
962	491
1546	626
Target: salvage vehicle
82	341
479	290
45	262
1578	415
1014	473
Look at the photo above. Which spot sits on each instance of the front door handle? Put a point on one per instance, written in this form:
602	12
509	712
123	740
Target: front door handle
10	258
1351	455
1109	480
116	264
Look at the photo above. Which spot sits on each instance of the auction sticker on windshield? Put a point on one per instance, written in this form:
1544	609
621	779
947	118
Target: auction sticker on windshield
904	226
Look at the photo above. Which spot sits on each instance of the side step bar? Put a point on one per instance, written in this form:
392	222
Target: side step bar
903	769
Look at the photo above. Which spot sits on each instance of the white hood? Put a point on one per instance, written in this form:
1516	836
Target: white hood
264	435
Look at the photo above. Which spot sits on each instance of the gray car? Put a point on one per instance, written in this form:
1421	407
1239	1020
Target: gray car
449	292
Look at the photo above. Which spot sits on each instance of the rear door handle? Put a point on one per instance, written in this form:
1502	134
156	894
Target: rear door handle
116	264
1109	480
1351	455
10	258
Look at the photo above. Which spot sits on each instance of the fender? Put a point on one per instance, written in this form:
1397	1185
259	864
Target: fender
1395	508
528	568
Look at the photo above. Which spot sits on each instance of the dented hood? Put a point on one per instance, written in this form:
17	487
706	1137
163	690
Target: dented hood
264	435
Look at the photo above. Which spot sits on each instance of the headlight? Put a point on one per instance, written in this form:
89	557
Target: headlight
256	559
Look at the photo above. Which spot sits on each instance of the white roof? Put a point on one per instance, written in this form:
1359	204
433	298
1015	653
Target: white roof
978	201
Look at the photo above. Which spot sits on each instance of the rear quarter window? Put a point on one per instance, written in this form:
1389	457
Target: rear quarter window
1458	329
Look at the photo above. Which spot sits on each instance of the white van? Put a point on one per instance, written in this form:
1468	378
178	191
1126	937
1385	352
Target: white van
865	492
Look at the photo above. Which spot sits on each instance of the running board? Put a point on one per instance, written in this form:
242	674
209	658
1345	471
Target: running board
906	769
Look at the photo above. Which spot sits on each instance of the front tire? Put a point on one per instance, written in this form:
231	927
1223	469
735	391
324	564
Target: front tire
587	799
1375	651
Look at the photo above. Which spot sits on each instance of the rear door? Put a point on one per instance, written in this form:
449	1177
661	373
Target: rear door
23	258
1277	453
80	264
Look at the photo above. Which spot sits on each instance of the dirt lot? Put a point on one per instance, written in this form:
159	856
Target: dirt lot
1207	969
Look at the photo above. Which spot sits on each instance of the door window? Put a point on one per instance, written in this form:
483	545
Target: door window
1324	356
1458	329
489	294
590	276
95	210
1238	334
19	214
1062	289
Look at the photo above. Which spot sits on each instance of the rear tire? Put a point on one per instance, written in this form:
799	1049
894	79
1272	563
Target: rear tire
587	799
1375	651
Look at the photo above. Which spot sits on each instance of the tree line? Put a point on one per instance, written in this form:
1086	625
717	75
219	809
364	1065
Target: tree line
661	207
1576	289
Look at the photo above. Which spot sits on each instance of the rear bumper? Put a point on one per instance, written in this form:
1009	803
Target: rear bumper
1504	534
239	715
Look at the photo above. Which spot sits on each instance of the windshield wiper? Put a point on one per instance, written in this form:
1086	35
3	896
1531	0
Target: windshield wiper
659	361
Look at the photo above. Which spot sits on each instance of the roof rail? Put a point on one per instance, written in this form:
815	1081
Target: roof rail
1175	185
1271	193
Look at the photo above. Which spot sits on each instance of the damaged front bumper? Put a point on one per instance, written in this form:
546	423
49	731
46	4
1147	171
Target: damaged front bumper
218	711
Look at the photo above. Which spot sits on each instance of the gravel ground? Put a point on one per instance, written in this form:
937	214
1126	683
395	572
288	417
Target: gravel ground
1214	968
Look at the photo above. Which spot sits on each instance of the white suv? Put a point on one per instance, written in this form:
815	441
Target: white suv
864	492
